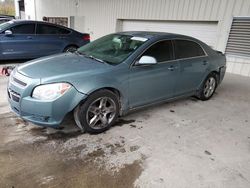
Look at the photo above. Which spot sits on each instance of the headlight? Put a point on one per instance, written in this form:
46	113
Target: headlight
50	91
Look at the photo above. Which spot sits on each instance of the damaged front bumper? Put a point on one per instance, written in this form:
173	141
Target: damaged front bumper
44	113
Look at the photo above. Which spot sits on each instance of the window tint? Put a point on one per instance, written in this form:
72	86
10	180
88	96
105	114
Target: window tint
23	29
185	49
49	29
161	51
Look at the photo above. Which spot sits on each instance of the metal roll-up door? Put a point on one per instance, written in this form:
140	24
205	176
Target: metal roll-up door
239	37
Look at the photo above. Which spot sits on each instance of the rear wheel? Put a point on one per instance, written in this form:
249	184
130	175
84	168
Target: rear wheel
70	49
98	113
209	87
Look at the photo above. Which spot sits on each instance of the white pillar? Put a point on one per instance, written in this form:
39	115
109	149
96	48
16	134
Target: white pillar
17	11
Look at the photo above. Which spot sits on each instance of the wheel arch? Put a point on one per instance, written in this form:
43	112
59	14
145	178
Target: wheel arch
69	45
114	90
217	73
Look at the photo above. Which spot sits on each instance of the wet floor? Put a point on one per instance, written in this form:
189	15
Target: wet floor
37	157
186	143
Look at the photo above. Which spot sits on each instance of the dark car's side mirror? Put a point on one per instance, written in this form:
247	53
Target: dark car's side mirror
147	60
8	33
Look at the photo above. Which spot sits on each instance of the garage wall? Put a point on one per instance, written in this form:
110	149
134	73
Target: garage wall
205	31
30	10
101	16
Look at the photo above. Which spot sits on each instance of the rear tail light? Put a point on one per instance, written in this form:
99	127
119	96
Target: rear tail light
86	37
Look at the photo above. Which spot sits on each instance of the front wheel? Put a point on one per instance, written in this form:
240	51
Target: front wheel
98	113
208	88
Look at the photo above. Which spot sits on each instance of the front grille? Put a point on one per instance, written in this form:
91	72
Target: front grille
19	82
14	95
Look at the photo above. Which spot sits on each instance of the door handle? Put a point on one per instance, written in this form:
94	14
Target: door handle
171	68
29	37
204	62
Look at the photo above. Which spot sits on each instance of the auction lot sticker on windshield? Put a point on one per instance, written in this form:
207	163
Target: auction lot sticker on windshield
139	39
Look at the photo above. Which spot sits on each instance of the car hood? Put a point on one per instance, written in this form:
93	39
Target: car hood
61	65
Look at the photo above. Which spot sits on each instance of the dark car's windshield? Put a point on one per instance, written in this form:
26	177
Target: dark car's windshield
113	48
3	26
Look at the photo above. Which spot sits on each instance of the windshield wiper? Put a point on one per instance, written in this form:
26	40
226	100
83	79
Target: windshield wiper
91	57
97	59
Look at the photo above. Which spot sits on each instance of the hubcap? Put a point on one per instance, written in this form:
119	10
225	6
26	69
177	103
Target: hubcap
209	87
101	112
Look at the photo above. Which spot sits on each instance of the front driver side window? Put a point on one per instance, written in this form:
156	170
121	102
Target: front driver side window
23	29
161	51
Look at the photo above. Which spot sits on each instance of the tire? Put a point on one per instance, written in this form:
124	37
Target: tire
71	48
98	113
208	87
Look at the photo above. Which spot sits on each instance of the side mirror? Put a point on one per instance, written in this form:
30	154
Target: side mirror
147	60
8	32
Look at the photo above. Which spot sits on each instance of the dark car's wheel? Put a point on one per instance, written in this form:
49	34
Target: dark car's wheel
208	88
70	49
98	112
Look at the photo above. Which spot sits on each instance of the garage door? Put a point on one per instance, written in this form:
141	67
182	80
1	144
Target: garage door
205	31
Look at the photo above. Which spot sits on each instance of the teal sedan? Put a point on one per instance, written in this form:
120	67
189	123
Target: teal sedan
113	75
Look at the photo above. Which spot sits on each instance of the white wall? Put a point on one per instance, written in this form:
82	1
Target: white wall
30	9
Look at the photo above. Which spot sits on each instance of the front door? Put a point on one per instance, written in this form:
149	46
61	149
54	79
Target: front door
20	44
152	83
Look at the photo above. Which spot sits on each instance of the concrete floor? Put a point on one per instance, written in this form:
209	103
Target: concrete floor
187	143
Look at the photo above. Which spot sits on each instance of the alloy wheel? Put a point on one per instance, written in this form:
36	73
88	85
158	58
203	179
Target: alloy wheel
209	87
101	113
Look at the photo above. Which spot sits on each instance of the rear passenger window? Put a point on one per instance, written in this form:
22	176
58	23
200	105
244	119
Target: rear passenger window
161	51
186	49
23	29
50	30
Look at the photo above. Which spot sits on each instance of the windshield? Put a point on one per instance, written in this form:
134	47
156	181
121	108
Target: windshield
112	49
5	25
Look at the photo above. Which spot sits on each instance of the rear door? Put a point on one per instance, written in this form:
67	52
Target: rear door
20	44
193	65
51	39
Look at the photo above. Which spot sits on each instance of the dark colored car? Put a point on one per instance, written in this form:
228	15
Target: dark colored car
22	39
5	18
113	75
2	20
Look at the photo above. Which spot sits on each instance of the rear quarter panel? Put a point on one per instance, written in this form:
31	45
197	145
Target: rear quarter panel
217	63
76	38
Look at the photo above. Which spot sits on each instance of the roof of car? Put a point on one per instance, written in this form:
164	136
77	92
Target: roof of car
31	21
152	34
6	16
34	21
